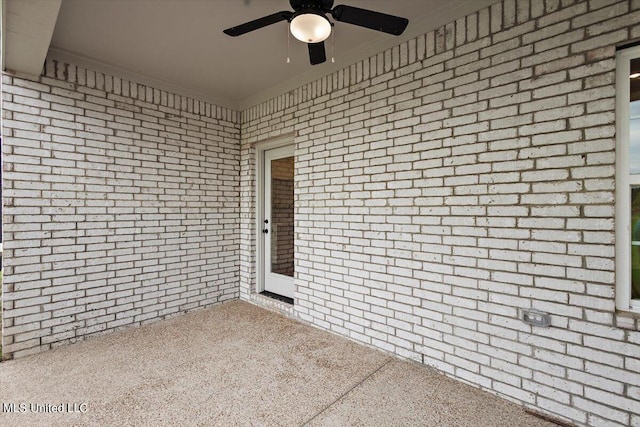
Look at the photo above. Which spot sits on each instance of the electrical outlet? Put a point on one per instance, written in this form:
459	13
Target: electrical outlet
535	317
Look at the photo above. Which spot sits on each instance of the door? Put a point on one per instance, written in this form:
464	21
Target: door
278	224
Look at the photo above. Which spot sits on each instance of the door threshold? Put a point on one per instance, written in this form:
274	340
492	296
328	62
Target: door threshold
277	297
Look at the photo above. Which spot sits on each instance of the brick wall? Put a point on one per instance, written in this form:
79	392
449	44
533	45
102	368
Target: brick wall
121	206
465	174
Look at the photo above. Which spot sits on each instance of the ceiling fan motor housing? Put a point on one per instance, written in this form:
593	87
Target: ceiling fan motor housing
321	5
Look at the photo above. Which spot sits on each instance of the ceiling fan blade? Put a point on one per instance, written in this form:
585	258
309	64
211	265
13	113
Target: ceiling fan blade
317	53
258	23
369	19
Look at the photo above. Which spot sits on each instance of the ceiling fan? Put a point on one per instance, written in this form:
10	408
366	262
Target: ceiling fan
309	23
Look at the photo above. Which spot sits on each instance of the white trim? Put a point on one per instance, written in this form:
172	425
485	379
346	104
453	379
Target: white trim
259	202
623	182
27	34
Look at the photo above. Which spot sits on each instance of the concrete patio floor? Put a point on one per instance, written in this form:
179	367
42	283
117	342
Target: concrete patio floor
237	364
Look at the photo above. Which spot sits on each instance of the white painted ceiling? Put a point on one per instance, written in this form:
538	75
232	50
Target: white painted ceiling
179	44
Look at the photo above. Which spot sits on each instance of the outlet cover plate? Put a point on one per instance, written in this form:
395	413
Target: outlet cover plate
535	317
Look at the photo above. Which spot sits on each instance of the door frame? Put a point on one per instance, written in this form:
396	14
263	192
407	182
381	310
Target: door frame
261	148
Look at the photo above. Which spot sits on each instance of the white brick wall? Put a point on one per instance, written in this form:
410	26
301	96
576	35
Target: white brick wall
466	174
121	206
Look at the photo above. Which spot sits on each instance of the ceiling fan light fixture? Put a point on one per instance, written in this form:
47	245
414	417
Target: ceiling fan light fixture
310	27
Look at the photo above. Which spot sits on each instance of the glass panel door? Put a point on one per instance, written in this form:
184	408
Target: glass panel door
282	216
634	169
278	221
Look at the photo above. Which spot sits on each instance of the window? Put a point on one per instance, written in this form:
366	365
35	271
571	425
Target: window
628	179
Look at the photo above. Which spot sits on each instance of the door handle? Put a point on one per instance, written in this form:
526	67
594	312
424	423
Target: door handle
265	231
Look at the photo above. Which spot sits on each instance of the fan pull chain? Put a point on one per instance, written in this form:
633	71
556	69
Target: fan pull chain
288	43
333	37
